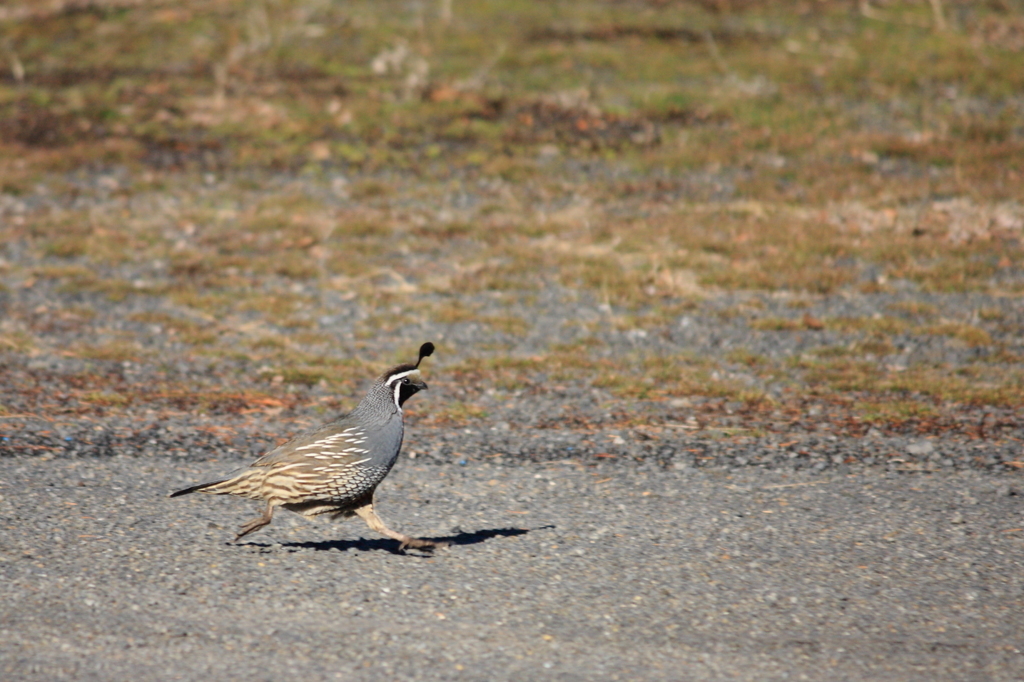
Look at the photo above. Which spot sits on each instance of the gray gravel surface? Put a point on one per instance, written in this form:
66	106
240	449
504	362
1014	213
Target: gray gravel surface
558	570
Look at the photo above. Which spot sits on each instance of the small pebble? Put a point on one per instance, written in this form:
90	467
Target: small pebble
921	447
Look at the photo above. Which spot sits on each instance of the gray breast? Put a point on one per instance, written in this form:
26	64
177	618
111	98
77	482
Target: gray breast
384	441
345	478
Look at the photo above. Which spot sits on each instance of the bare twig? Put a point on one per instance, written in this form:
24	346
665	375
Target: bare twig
866	10
476	81
869	12
715	54
17	68
937	14
220	81
259	37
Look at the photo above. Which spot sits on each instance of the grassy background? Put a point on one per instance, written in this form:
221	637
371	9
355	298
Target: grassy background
238	159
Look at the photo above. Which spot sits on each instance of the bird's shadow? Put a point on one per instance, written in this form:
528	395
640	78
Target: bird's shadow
393	546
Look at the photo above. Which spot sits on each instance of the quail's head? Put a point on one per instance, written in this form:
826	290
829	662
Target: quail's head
406	379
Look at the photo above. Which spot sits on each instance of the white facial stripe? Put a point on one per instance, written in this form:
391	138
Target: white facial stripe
401	375
398	389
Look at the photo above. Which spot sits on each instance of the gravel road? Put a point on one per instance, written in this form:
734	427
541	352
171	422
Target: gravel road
558	570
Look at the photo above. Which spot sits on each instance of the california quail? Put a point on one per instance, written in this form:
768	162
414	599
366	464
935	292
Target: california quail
335	468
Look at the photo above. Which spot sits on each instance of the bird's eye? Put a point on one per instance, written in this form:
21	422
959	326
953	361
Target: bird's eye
405	381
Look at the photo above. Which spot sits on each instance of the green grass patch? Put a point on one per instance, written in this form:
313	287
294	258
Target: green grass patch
458	412
106	399
115	351
876	324
776	324
914	309
743	356
18	341
991	314
966	333
893	411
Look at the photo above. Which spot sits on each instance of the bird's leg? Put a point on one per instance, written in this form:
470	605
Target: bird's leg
257	523
367	514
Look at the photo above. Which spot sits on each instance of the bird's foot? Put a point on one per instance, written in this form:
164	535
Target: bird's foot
424	545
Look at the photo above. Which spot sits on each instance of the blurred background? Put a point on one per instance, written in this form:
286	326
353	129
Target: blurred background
713	207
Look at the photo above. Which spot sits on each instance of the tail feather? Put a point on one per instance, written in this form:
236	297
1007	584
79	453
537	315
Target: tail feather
196	488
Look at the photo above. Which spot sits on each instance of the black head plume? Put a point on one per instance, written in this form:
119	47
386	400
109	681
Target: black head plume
426	350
